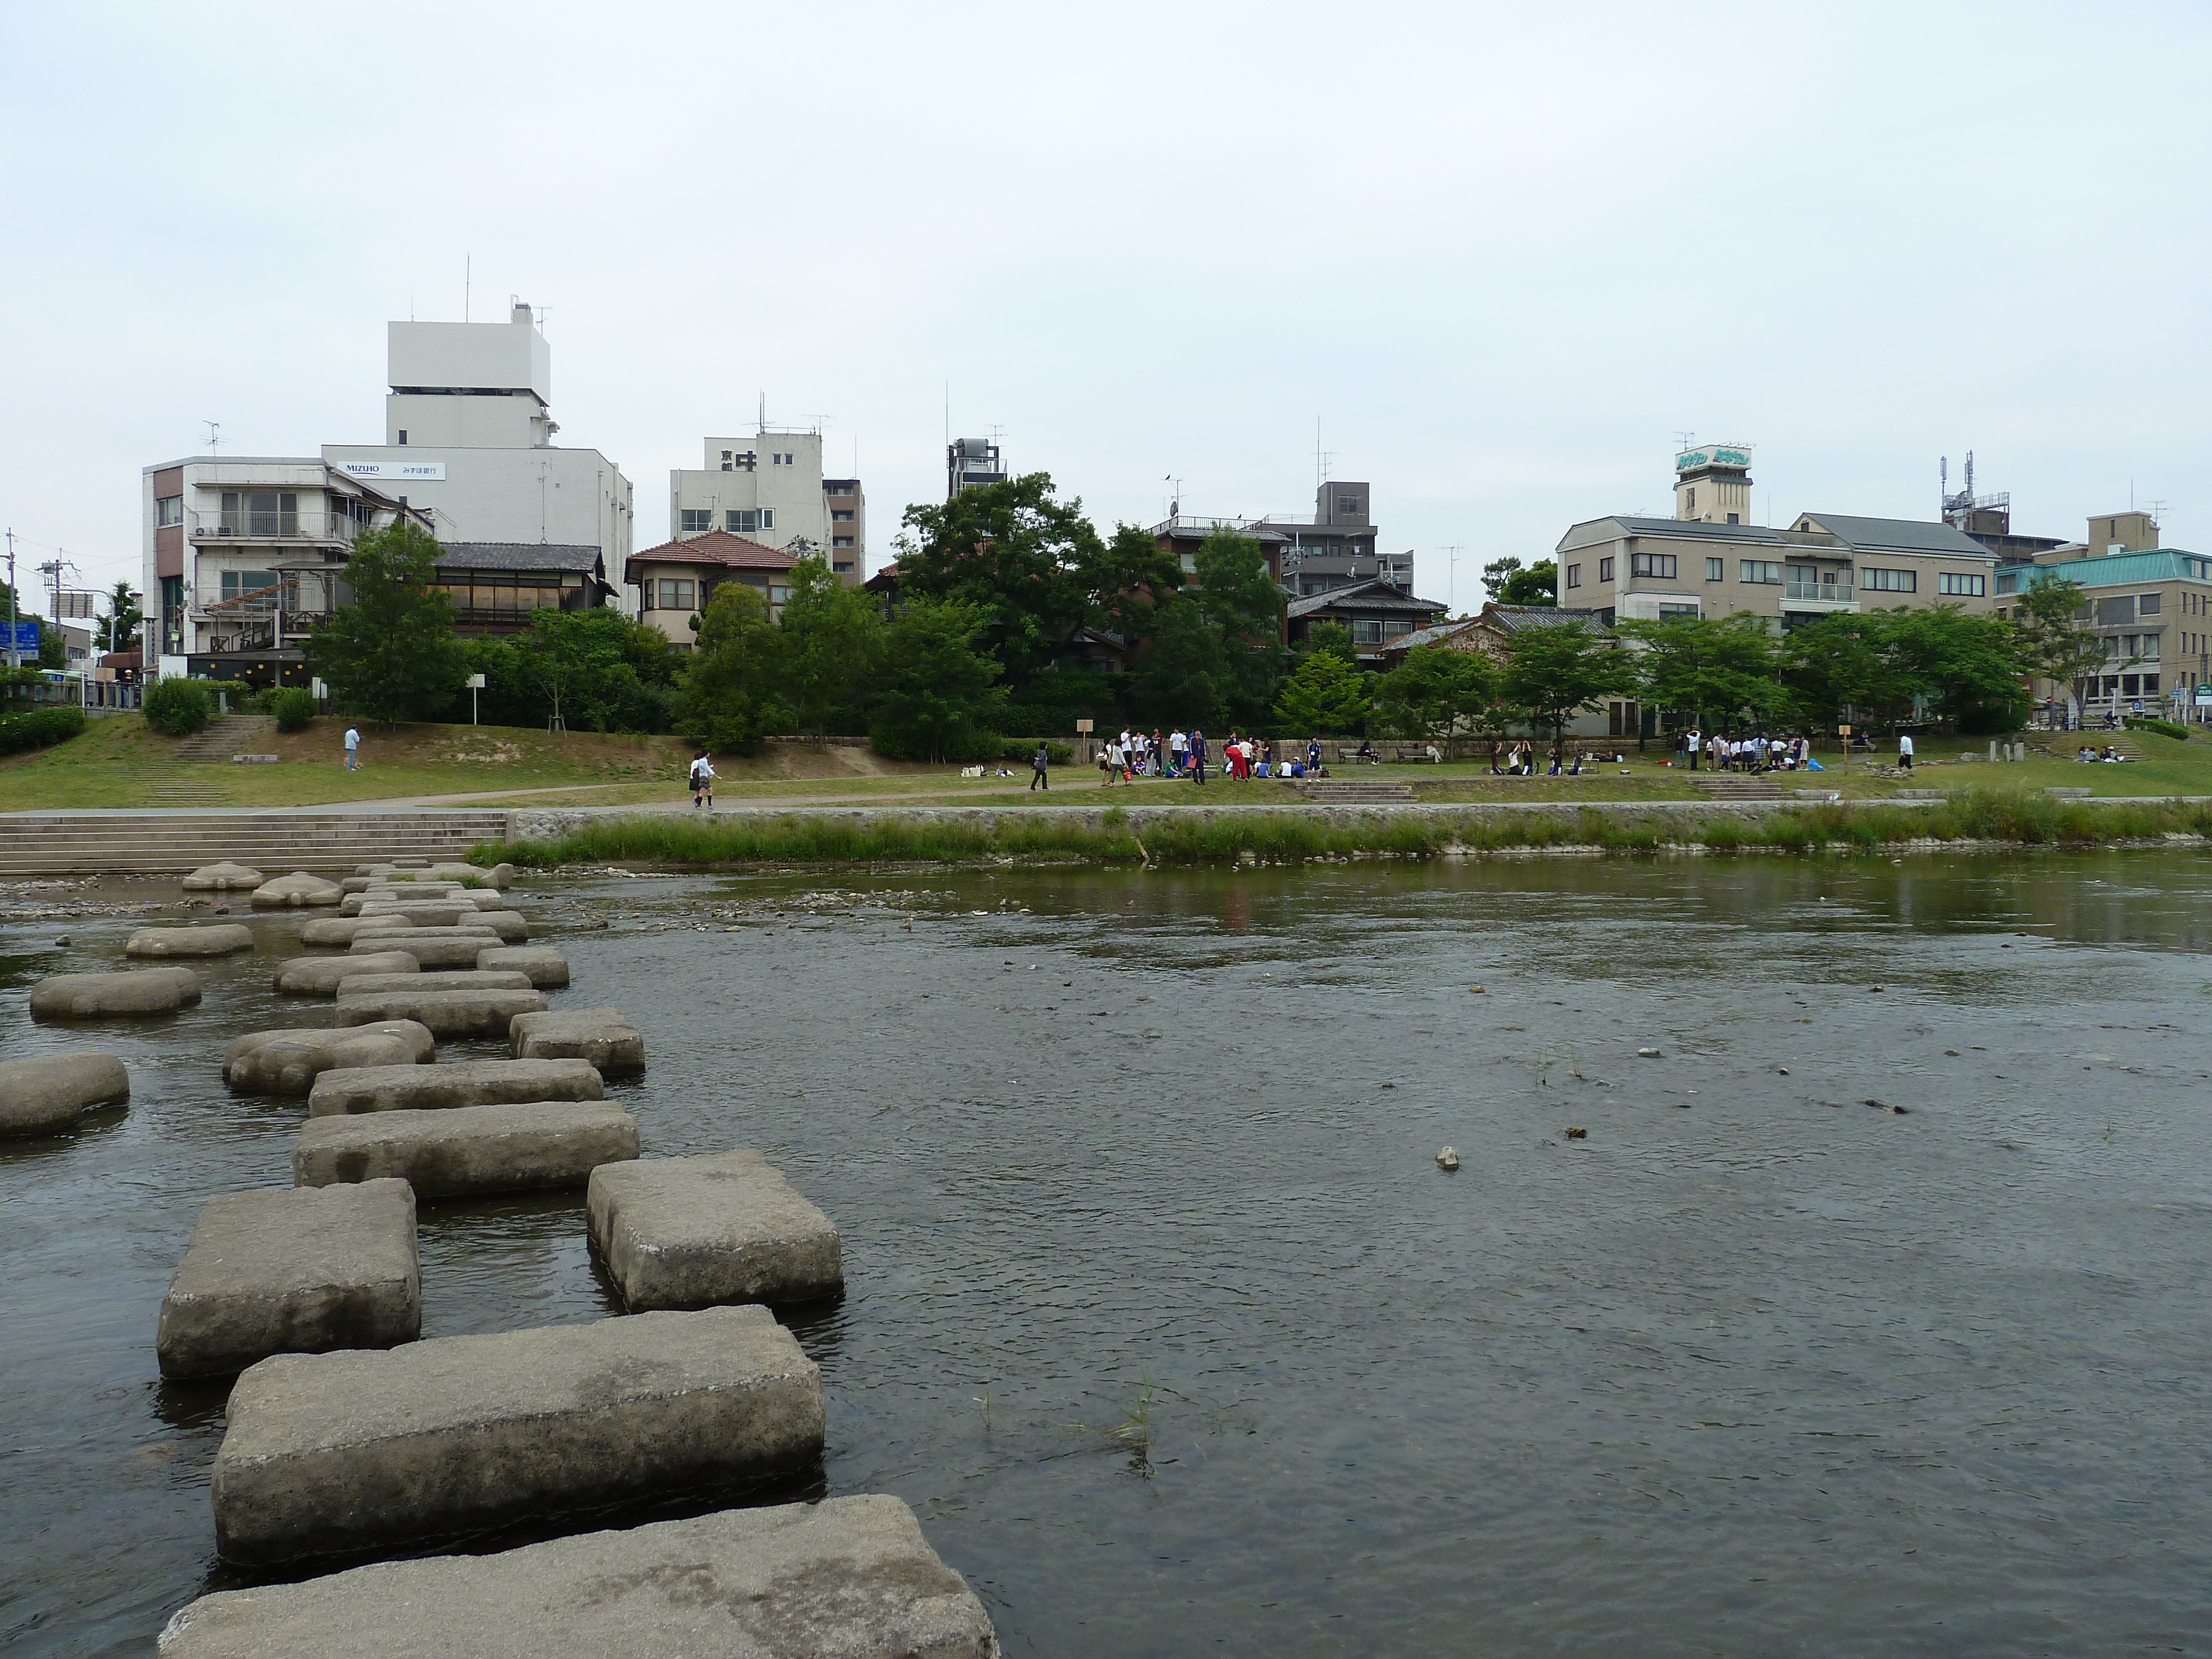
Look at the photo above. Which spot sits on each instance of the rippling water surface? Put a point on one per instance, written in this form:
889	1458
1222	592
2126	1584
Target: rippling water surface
1755	1368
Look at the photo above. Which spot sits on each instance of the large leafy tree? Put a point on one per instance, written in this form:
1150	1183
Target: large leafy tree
937	696
1554	672
1183	677
1508	582
832	635
1243	605
1713	669
1325	693
1969	666
390	654
1333	637
1436	690
577	663
118	628
2058	640
1126	578
728	699
1017	556
1844	663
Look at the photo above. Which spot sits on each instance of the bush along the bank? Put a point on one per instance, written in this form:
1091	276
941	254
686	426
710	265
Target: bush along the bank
1197	836
2172	729
178	706
38	729
1020	749
293	707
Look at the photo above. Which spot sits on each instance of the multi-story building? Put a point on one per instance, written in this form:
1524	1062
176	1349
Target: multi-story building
468	441
769	489
242	556
1336	547
676	579
1710	560
970	462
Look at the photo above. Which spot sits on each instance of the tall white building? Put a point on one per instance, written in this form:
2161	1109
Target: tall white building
769	488
468	439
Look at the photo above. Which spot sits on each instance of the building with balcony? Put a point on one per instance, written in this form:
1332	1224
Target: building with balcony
970	462
1336	547
676	581
768	488
242	557
1709	561
2151	606
495	585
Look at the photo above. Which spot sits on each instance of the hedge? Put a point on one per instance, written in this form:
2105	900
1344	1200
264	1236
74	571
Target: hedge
178	706
38	729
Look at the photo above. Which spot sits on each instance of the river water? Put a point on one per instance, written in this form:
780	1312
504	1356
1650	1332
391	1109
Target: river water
1164	1318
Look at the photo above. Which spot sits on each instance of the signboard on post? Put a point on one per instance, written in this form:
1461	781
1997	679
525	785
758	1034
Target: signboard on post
26	638
394	470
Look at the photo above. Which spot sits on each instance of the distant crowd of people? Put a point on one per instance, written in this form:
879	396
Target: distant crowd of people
1518	760
1727	751
1131	755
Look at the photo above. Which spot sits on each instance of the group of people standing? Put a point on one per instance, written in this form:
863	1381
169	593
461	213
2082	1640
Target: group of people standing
1731	752
1519	761
1134	755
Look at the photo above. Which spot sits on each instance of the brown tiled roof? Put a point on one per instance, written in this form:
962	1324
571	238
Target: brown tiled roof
715	547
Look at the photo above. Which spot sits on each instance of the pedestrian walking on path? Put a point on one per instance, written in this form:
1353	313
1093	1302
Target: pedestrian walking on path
1038	761
353	748
1904	752
702	780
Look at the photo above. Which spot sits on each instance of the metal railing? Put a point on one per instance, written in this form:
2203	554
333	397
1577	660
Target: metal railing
258	525
1826	592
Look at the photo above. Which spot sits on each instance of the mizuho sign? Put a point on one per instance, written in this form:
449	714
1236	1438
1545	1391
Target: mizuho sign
393	469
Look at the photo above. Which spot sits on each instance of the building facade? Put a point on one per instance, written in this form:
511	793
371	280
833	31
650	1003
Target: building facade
972	463
768	488
676	579
1337	547
2152	608
1377	614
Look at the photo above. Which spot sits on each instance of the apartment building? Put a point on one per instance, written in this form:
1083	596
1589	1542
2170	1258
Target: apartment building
676	579
1337	547
768	488
1710	560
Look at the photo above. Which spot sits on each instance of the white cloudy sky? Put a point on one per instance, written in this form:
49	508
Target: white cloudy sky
1501	254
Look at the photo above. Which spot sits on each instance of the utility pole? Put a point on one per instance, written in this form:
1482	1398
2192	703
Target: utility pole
14	657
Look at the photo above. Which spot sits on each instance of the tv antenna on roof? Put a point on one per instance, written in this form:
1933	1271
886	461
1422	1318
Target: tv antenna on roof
215	434
1684	439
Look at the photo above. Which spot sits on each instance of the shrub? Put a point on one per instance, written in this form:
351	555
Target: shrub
293	707
178	706
2165	728
1020	749
38	729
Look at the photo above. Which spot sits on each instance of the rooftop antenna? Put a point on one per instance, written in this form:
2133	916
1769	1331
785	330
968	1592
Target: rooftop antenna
1683	440
468	281
1944	483
1451	580
764	411
215	434
2157	510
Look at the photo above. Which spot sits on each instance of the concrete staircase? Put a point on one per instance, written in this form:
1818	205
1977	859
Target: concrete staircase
1738	786
183	778
174	842
1355	792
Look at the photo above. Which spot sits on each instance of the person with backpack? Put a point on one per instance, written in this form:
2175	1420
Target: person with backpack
703	782
1038	761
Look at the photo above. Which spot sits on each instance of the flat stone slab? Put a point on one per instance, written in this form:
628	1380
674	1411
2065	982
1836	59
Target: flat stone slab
459	1083
407	893
293	1270
485	899
350	1450
512	926
289	892
320	976
44	1096
216	939
722	1227
98	996
847	1578
224	877
289	1062
447	1013
601	1036
468	1149
442	979
344	930
433	947
547	968
424	915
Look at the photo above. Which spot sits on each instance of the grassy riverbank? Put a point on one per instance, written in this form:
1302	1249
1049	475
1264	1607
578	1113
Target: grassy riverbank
1984	815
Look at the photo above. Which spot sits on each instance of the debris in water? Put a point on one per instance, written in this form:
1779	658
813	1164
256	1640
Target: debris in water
1448	1159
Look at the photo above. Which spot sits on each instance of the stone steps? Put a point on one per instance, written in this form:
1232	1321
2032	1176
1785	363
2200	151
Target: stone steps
1331	791
159	843
222	737
1734	785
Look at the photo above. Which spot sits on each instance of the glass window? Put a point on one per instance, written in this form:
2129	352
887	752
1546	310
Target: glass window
1889	581
1669	612
1761	571
777	593
2150	685
260	513
1396	630
843	566
168	510
1651	564
1716	570
741	523
237	583
841	515
1605	570
696	519
2146	605
2117	611
768	514
1347	503
1366	631
1953	581
840	541
1574	575
2130	685
675	593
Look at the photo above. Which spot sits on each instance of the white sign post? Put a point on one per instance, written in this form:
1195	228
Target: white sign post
476	684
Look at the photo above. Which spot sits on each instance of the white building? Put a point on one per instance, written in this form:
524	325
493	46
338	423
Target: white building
769	488
468	439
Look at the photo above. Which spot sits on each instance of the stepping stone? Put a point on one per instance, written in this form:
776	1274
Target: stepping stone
344	930
601	1036
44	1096
447	1013
443	979
289	1062
691	1232
353	903
95	996
466	872
468	1149
290	892
351	885
846	1578
218	939
293	1270
346	1451
433	947
223	877
426	915
320	976
512	927
459	1082
547	968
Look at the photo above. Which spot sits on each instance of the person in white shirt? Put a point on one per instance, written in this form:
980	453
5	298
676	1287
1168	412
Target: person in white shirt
1904	750
1178	746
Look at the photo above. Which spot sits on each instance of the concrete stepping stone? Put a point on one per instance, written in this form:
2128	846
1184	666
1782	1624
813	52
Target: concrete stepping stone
223	877
469	1149
547	968
722	1227
289	1062
846	1578
344	930
433	947
353	1450
425	914
601	1036
447	1013
353	903
469	872
485	899
456	1084
320	976
47	1095
442	979
293	1270
292	892
216	939
134	991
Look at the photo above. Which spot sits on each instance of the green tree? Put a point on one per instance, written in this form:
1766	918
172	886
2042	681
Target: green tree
1183	676
1243	605
1325	693
1507	582
1970	665
1554	671
1710	668
1844	663
728	699
937	696
1436	690
2058	641
390	654
576	662
118	628
1333	637
1014	553
832	635
1126	578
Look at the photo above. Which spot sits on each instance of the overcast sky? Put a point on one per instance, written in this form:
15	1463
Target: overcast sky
1500	256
